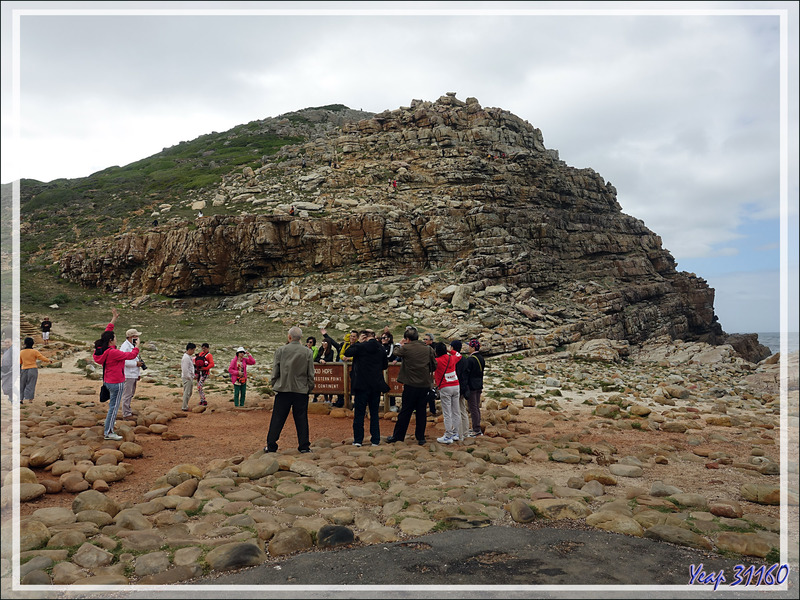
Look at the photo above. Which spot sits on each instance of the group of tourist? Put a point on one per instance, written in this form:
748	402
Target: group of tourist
29	359
196	368
429	371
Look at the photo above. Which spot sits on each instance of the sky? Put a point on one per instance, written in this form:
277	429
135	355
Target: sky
679	105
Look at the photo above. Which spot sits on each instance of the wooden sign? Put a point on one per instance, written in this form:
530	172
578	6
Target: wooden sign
395	387
330	378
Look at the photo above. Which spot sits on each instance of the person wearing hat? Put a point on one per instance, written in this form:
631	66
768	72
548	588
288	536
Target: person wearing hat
238	371
473	373
132	371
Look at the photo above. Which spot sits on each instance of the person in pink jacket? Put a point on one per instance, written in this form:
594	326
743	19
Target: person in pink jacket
113	361
238	371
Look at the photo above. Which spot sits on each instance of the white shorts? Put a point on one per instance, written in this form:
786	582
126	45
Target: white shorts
45	335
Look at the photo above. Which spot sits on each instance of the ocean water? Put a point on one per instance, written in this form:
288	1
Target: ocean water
772	340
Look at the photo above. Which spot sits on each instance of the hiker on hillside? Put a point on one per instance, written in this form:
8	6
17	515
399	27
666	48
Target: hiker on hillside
47	324
30	369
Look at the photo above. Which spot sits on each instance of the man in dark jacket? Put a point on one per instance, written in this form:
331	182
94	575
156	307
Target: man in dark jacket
369	363
416	374
473	374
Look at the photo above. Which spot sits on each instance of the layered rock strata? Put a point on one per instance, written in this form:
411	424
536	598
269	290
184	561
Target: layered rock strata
478	197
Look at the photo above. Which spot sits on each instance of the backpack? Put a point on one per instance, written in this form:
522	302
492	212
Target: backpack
200	362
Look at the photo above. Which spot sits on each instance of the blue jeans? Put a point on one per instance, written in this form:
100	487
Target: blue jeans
362	401
113	404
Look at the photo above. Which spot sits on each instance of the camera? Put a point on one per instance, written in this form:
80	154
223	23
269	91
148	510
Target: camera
144	366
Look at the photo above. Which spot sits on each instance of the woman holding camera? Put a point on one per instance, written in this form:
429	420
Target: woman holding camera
113	361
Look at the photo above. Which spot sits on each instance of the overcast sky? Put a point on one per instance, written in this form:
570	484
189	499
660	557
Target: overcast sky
679	109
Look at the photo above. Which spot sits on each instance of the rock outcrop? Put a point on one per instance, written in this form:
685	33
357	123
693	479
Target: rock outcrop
448	187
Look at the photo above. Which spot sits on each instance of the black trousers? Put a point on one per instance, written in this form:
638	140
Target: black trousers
414	399
285	402
363	401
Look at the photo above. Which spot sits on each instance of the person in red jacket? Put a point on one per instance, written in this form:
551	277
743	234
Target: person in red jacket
113	361
203	362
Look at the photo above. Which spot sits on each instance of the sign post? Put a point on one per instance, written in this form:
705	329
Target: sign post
395	387
331	378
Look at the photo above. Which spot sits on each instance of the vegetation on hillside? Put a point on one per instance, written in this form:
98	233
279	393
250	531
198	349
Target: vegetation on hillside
124	197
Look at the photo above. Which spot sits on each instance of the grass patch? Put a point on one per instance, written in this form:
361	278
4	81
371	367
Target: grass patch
773	556
444	526
196	511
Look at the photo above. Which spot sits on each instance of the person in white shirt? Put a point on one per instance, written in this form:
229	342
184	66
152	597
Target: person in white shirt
132	372
187	374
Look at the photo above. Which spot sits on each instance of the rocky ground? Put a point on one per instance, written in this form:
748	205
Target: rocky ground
678	443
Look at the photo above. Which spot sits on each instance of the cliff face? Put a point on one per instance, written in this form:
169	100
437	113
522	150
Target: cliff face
506	226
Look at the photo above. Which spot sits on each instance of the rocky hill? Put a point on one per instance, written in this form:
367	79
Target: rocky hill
447	214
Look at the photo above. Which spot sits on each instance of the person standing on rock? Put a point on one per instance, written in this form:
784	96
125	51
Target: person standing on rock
352	338
447	383
326	353
429	341
293	380
473	373
416	374
203	363
238	372
47	325
8	370
113	361
463	412
187	374
30	369
132	373
387	342
368	382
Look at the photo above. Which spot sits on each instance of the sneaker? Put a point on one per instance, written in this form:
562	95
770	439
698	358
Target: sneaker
455	438
445	439
267	450
391	440
356	444
394	409
421	442
113	436
469	434
305	451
